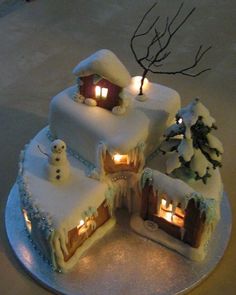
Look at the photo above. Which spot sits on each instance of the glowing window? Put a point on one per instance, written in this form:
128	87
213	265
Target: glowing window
166	212
120	159
101	92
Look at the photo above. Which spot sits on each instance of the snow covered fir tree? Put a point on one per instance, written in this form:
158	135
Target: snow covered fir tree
192	151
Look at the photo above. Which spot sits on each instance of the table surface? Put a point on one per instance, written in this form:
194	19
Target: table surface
41	42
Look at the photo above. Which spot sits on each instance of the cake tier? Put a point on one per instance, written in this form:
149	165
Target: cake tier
83	127
65	202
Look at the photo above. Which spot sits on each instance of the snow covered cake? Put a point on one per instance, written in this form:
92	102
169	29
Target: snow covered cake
103	149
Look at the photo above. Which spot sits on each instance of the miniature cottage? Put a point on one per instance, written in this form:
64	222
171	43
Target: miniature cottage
101	79
176	208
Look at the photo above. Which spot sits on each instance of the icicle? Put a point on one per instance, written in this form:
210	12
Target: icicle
174	206
91	223
168	201
147	175
110	199
66	236
131	156
159	198
135	156
62	239
141	155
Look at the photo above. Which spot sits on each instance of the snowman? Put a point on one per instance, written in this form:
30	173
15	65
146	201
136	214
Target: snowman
58	167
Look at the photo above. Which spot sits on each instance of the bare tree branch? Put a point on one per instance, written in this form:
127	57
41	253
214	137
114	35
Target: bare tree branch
184	71
160	42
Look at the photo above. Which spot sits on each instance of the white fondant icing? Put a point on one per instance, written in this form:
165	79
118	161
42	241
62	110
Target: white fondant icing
118	110
66	202
82	128
91	132
97	235
141	97
158	235
175	190
105	64
212	190
90	102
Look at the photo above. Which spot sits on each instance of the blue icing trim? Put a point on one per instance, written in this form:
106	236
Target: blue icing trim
44	220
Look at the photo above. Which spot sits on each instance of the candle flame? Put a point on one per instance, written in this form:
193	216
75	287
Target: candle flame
136	82
166	212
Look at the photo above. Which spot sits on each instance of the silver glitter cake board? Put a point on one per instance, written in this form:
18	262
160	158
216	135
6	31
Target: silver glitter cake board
121	263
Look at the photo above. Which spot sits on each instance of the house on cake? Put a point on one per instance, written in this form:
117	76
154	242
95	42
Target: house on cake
175	208
101	80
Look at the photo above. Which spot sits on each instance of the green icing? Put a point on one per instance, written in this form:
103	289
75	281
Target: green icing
146	176
90	212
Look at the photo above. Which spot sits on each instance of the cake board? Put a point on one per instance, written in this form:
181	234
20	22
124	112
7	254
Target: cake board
121	262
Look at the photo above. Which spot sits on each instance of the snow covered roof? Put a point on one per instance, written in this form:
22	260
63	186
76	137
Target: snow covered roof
175	190
105	64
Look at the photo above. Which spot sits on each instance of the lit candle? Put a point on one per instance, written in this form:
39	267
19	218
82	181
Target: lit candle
136	83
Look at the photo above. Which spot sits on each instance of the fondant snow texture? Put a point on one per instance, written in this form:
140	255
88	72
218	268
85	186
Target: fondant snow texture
82	128
105	64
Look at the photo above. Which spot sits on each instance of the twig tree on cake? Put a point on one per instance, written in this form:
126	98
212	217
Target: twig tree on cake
158	48
191	147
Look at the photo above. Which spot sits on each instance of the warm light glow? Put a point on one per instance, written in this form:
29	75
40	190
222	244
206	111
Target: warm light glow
27	221
81	227
104	92
81	223
101	92
167	213
136	82
180	120
97	91
120	159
